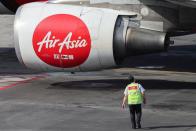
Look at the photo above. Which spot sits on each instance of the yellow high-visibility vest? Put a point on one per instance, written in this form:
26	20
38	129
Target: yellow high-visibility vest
134	94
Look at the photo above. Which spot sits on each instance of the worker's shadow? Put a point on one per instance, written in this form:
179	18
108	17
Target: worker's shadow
169	127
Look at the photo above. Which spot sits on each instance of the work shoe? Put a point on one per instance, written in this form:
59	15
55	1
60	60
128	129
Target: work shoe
134	126
139	126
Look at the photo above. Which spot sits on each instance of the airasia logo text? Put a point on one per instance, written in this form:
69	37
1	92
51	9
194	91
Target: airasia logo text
62	40
52	42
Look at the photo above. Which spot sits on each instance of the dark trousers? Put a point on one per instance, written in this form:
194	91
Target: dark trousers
136	114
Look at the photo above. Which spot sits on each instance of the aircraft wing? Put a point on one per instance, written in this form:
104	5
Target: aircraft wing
187	3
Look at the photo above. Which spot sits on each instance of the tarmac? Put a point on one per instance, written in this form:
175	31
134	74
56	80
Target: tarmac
42	101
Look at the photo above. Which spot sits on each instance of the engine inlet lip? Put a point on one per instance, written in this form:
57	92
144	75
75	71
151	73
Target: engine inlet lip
16	35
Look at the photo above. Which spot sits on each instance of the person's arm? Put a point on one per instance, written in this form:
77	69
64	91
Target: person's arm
143	93
144	97
124	101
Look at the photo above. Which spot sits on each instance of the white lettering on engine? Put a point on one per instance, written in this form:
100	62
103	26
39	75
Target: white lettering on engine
67	43
63	57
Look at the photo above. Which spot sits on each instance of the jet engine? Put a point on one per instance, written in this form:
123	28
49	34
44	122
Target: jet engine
75	38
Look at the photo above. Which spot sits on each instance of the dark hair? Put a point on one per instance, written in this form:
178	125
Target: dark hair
131	78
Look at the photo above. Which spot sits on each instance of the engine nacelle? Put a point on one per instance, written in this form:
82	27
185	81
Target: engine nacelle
73	38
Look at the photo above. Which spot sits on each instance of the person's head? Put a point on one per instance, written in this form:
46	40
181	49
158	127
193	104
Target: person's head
131	78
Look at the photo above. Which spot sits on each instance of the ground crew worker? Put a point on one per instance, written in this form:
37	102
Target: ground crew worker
134	92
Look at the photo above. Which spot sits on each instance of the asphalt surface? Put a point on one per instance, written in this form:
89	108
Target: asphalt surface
31	100
91	101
